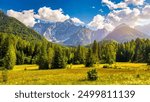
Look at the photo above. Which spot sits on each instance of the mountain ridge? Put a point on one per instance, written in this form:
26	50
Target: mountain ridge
124	33
11	25
68	33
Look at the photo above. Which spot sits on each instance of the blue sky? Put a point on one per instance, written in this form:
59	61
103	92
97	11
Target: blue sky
95	13
82	9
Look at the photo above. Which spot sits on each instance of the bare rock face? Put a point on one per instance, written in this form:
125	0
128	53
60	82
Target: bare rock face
68	33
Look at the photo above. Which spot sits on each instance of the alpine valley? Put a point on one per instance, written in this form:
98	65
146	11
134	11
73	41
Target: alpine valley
69	33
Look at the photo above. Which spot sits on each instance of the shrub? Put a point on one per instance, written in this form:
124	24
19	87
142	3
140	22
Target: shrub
92	75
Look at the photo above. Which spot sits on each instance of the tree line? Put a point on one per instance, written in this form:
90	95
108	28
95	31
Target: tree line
14	50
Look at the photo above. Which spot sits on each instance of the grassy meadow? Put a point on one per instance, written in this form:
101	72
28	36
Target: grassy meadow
117	74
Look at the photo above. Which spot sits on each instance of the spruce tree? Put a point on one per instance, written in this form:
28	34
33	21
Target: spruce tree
79	57
20	57
43	59
89	59
59	60
95	51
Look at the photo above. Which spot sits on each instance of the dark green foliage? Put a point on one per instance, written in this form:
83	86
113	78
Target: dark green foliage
79	55
92	75
11	25
59	60
95	51
43	59
20	58
89	59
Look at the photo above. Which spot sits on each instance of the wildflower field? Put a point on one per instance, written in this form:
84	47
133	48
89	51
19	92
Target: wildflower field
116	74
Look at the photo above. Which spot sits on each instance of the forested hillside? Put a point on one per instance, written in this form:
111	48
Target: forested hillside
11	25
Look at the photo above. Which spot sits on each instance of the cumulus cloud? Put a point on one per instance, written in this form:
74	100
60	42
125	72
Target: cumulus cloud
135	2
47	14
26	16
29	18
98	22
122	4
146	11
112	5
128	16
77	21
132	17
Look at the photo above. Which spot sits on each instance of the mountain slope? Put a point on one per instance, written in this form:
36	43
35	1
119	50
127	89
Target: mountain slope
124	33
11	25
145	29
68	33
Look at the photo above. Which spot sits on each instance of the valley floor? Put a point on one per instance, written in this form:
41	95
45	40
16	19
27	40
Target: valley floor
118	74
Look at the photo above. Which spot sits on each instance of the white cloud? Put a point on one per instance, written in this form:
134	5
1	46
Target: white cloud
112	5
77	21
135	2
26	16
98	22
146	11
122	4
128	16
117	17
47	14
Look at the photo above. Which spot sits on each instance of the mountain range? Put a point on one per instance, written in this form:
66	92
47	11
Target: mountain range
68	33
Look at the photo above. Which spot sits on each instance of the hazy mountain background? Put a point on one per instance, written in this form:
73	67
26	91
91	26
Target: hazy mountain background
124	33
68	33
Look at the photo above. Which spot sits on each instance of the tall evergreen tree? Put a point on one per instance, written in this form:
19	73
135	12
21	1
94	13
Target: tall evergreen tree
59	60
10	57
79	55
110	53
95	51
43	59
89	58
20	57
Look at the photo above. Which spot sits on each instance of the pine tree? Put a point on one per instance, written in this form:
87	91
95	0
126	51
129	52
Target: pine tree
59	60
110	53
89	59
79	57
43	59
10	57
20	57
95	51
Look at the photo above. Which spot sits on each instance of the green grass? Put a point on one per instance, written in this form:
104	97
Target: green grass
117	74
